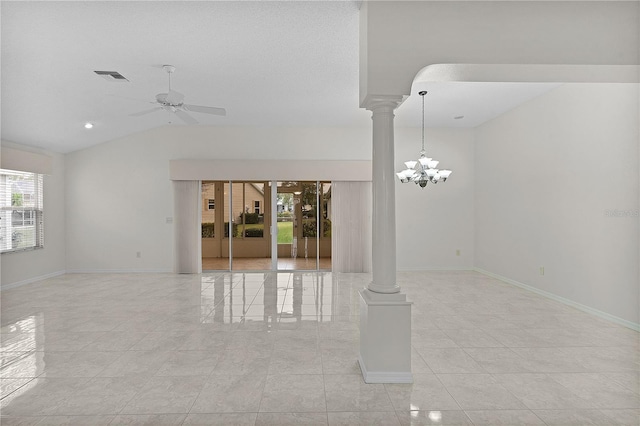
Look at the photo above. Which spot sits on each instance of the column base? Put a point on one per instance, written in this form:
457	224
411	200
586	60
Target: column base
383	376
385	337
383	289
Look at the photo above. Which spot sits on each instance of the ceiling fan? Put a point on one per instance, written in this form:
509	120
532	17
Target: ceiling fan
173	101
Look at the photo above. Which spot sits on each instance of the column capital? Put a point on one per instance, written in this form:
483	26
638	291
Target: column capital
372	102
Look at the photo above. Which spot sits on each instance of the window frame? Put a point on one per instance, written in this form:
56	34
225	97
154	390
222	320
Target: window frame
31	207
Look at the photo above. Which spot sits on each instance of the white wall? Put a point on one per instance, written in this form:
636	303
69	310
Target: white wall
435	221
119	194
546	175
27	266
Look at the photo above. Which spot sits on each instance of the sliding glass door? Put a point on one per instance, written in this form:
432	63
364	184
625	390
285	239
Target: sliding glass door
239	233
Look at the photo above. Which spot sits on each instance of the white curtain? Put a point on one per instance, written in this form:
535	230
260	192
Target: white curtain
351	226
187	226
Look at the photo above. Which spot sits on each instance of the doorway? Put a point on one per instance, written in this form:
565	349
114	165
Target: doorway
238	218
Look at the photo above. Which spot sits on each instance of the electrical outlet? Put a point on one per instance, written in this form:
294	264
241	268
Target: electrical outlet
457	252
542	270
138	254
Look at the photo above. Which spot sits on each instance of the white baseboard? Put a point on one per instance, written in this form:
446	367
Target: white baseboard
383	376
436	268
584	308
31	280
119	271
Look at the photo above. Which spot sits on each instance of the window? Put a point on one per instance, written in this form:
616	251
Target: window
256	206
21	211
212	204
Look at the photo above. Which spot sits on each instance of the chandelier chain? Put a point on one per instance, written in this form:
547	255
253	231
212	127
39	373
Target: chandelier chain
423	119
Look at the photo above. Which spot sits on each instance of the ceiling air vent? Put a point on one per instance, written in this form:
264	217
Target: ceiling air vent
112	76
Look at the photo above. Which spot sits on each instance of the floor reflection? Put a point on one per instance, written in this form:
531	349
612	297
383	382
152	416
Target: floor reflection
21	358
264	264
270	298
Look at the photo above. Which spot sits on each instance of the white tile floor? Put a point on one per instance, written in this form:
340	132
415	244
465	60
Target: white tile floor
279	349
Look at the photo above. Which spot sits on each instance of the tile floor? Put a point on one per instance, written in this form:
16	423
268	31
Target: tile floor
280	349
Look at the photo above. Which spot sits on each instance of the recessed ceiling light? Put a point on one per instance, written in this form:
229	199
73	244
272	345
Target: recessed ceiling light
88	125
458	117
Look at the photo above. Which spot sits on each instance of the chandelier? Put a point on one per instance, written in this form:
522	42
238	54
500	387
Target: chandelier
424	169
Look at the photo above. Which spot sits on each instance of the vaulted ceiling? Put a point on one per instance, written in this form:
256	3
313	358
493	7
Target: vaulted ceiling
268	63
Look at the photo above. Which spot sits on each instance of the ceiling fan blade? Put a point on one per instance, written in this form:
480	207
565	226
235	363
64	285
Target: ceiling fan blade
147	111
174	98
206	109
185	117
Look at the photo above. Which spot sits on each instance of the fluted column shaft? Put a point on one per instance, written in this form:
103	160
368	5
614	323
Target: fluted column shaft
384	202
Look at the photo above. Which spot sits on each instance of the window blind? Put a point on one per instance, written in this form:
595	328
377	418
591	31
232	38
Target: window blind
21	211
187	224
351	226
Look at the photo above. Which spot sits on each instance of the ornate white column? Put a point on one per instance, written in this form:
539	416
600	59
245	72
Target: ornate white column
385	314
384	195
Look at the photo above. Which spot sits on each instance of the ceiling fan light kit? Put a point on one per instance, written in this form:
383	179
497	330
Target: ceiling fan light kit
423	171
173	102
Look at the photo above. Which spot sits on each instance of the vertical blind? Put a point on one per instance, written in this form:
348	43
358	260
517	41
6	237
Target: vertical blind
187	226
21	211
351	237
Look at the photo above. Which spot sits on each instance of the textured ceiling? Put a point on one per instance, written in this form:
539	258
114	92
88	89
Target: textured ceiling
267	63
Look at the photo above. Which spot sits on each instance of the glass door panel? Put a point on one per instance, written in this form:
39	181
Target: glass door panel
325	227
308	227
297	230
287	245
215	255
251	245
